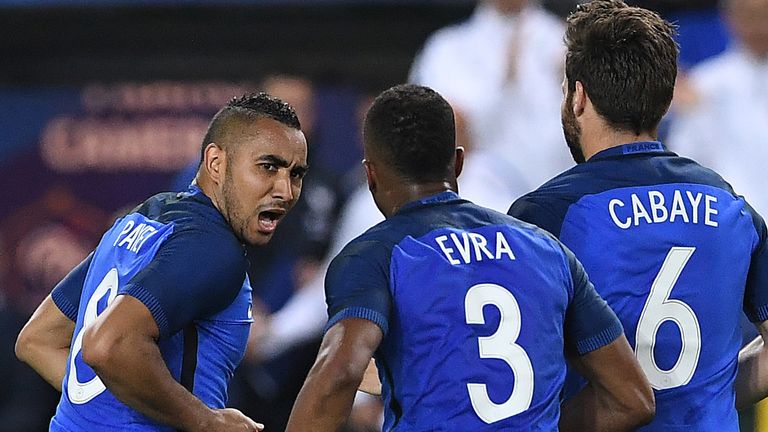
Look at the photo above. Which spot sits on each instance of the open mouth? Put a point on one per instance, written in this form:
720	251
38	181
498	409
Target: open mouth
269	219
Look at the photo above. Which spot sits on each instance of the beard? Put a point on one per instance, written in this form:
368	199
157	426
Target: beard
572	130
233	212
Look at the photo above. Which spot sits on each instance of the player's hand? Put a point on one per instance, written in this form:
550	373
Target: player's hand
230	420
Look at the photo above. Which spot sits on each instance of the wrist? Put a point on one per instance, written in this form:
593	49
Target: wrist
202	420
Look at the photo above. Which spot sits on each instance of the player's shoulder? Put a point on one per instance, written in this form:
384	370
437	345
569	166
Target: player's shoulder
190	209
550	201
464	214
195	221
607	173
680	169
376	242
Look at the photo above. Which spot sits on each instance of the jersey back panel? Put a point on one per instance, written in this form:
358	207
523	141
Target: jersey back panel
669	245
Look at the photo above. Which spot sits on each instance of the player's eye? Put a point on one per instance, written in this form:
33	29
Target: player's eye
268	166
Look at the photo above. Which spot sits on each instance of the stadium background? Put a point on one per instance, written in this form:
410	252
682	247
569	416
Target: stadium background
103	103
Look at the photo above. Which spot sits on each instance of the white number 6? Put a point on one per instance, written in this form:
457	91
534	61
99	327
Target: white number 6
658	309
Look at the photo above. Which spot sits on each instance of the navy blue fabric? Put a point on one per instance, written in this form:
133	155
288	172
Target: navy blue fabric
589	322
422	272
66	294
626	212
175	254
174	288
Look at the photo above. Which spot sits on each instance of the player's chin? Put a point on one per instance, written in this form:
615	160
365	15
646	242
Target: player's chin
258	238
258	233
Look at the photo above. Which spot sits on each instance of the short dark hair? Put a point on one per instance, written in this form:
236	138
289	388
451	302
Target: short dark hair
626	58
248	107
413	128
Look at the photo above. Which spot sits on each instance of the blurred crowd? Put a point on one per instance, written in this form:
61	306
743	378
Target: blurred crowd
502	70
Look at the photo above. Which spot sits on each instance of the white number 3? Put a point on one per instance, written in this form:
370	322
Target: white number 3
500	345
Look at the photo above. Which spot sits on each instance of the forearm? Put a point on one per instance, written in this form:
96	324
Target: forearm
326	398
752	377
135	373
590	410
371	383
50	363
618	396
323	404
44	342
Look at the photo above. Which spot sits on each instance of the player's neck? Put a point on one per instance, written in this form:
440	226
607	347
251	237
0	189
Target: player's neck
597	139
409	192
206	186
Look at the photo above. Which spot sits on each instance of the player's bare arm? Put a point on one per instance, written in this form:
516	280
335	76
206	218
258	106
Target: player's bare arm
121	347
326	399
752	375
44	342
618	396
371	383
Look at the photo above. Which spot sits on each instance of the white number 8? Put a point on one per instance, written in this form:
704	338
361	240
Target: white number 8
500	345
78	392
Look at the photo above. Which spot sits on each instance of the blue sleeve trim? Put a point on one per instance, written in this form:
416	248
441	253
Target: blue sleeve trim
65	306
599	340
759	315
151	302
359	312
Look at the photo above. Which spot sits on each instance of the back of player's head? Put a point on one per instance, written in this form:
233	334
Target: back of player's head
626	58
244	109
412	128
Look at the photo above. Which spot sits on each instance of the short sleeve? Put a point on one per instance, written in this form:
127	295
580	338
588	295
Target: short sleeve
528	210
589	321
194	274
66	294
756	291
357	284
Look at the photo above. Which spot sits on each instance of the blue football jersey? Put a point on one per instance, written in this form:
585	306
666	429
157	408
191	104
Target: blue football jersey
175	254
677	255
477	309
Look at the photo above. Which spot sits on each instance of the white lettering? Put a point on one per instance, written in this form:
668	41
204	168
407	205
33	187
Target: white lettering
639	211
145	234
130	239
465	242
502	247
446	250
612	210
126	229
663	209
678	207
694	204
480	242
657	206
709	211
463	246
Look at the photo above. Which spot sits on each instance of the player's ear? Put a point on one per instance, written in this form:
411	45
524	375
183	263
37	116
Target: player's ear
579	100
370	174
213	162
459	166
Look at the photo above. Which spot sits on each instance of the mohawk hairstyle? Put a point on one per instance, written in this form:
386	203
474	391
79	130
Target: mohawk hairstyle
249	107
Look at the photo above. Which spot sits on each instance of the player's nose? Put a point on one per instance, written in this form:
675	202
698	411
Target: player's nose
282	188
